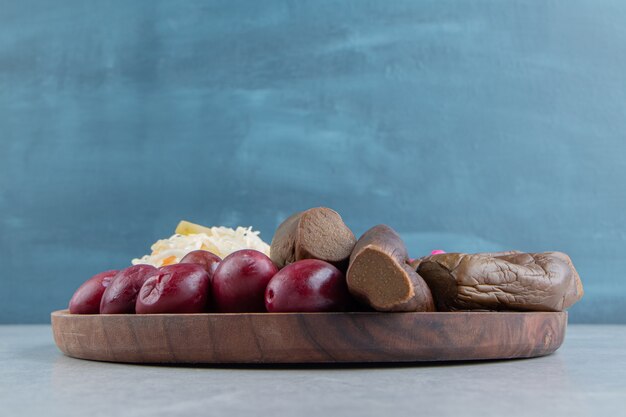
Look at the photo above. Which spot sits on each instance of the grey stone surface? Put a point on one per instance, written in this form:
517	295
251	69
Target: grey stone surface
587	376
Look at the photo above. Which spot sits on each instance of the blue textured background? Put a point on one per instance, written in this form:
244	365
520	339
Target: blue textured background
465	125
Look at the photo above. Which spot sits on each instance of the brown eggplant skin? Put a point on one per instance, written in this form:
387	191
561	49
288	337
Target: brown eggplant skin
316	233
379	274
501	281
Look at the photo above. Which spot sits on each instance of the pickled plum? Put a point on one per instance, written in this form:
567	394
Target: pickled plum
239	281
86	299
121	294
308	285
208	260
179	288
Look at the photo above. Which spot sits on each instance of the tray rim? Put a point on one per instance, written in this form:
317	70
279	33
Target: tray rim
66	313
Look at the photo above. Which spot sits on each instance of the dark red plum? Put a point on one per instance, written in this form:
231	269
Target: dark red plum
308	285
239	281
207	259
86	299
179	288
121	294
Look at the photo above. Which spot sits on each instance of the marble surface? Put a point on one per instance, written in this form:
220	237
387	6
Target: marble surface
467	125
586	376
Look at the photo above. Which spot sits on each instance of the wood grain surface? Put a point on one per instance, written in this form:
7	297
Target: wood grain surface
308	337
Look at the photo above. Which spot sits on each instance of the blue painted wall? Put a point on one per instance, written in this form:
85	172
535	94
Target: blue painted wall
465	125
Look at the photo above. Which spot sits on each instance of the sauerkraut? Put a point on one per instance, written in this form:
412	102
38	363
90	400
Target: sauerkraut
222	241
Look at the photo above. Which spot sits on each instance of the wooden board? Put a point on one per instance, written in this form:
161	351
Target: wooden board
308	337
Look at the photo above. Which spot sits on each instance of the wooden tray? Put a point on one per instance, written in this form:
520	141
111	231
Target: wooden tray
308	337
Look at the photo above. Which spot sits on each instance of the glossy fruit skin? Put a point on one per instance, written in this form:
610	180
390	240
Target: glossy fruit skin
309	285
86	299
121	294
207	259
239	281
179	288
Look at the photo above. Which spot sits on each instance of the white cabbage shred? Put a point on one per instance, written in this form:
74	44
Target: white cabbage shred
222	241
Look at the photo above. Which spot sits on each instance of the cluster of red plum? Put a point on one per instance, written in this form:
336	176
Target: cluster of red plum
244	281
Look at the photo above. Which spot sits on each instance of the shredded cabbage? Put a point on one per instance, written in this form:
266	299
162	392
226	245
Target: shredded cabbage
222	241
